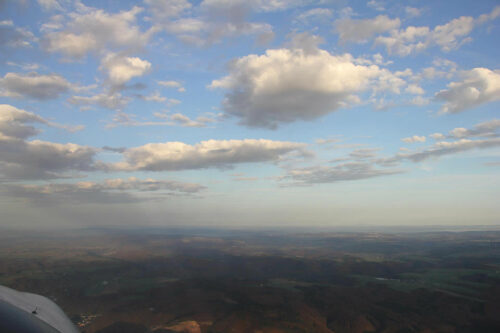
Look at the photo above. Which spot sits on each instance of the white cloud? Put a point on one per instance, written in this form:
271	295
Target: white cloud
484	129
14	37
412	11
438	136
414	89
377	5
348	171
479	86
93	30
448	36
286	85
206	154
179	119
49	4
442	148
414	139
112	101
34	85
163	10
361	30
121	69
314	14
172	84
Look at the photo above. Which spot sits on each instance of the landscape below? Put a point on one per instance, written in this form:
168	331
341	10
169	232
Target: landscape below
215	280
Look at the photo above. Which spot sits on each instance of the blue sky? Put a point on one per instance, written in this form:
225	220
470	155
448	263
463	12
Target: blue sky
249	113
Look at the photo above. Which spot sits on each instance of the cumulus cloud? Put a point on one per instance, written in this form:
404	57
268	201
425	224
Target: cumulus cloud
36	159
112	101
314	14
414	139
49	4
179	119
163	10
448	36
93	30
14	37
484	129
120	69
172	84
464	140
479	86
206	154
215	20
438	136
286	85
361	30
34	85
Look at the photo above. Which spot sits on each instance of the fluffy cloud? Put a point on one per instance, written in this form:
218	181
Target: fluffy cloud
286	85
448	36
179	119
112	101
13	37
315	13
93	30
255	5
414	139
172	84
484	129
206	154
361	30
49	4
165	9
121	69
34	85
36	159
479	86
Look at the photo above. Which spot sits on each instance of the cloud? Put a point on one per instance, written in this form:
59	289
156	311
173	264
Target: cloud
448	36
414	139
34	85
215	20
484	129
109	191
286	85
438	136
171	156
361	30
112	101
412	11
348	171
163	10
49	5
21	159
172	84
93	30
41	159
479	86
446	148
14	37
121	69
178	119
314	14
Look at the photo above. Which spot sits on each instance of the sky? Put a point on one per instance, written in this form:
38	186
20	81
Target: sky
245	113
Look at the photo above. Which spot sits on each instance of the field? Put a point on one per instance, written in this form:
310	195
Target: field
209	280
